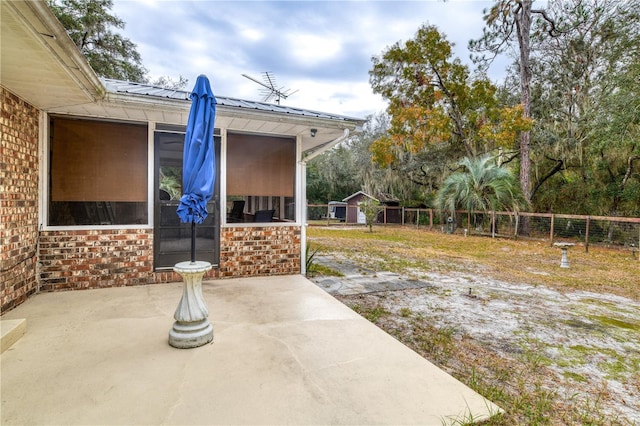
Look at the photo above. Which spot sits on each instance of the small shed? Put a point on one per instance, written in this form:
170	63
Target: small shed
392	211
354	213
338	210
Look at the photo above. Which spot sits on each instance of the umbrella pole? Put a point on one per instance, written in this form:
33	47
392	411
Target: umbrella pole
193	241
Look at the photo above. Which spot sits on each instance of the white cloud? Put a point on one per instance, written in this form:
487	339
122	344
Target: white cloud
323	48
251	34
343	97
310	50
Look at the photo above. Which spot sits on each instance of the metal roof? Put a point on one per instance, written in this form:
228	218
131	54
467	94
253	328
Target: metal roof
119	86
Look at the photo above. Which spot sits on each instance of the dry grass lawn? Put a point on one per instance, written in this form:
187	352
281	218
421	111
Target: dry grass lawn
602	269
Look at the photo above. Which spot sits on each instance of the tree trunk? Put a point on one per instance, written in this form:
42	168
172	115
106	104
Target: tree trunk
523	25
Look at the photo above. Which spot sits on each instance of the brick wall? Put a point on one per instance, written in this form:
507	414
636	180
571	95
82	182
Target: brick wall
79	259
18	199
98	258
95	258
255	251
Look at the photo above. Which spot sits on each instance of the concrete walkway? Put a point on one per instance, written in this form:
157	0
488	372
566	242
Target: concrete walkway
359	280
284	352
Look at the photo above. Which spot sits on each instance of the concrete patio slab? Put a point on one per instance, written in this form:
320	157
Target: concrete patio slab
284	352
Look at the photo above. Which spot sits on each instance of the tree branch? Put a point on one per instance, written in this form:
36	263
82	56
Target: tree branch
555	169
627	174
553	32
454	112
511	158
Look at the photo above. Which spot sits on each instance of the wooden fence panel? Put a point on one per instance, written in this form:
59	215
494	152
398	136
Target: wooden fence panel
623	232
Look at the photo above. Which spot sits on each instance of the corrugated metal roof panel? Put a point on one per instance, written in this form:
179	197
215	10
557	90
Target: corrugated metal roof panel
119	86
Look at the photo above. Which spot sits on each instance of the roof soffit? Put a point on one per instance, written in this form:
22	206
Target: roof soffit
133	107
39	62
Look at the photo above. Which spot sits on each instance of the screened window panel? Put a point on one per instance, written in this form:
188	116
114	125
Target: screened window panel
260	165
98	161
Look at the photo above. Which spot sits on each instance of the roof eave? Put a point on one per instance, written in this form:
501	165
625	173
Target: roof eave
53	47
143	101
86	76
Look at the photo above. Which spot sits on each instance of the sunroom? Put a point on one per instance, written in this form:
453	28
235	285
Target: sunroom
115	165
107	157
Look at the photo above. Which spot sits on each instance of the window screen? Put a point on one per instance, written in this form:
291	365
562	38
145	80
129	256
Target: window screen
98	173
261	178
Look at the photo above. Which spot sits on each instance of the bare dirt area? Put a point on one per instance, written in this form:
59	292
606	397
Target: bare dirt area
546	354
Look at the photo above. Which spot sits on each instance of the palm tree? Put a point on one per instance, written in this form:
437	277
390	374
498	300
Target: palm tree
482	185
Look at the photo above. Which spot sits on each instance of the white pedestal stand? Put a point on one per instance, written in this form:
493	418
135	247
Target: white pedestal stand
564	261
192	327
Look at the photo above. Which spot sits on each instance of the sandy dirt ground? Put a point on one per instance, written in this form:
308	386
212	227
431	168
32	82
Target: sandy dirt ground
589	341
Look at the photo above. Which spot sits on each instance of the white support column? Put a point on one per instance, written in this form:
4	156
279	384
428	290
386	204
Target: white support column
301	205
222	175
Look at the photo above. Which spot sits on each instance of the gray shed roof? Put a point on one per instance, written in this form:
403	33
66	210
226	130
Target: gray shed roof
119	86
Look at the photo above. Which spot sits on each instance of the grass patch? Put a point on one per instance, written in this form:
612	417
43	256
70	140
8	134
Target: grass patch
613	322
373	314
574	376
405	312
317	269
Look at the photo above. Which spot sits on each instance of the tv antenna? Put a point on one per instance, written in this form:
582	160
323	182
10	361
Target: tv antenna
270	89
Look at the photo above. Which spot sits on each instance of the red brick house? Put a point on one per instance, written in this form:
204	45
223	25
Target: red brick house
90	173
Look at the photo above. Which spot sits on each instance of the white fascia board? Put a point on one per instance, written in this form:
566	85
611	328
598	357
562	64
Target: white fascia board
235	112
38	14
159	104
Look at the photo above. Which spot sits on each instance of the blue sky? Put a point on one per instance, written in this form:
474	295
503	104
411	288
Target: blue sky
322	49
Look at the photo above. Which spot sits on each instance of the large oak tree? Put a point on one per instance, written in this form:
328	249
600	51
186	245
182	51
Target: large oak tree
439	111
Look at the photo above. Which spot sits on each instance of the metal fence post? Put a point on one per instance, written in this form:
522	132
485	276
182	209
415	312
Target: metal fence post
586	235
493	224
551	232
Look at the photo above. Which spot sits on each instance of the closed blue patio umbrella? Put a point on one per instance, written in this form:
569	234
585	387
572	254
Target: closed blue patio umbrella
198	162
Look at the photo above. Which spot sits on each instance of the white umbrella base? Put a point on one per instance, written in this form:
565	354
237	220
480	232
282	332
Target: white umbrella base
191	335
192	327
